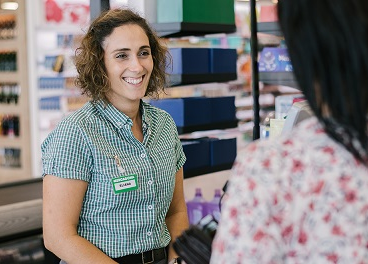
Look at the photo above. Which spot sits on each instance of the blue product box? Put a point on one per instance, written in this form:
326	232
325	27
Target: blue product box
188	111
223	109
275	60
49	61
222	151
65	40
189	61
223	60
50	103
51	82
197	154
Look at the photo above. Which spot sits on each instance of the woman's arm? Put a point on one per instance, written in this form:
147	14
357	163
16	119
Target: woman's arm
62	203
177	217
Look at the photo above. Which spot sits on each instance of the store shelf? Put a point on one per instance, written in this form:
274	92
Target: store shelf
67	51
271	28
207	170
184	79
182	29
51	92
9	76
21	109
9	109
64	28
278	78
10	142
64	74
21	191
9	175
21	208
212	126
8	44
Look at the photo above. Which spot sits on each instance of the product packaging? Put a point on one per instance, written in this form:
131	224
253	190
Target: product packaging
196	207
213	207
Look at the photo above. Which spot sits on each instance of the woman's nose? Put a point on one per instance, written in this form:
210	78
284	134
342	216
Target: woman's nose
135	64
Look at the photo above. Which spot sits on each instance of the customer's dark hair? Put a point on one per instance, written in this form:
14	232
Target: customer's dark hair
327	42
89	56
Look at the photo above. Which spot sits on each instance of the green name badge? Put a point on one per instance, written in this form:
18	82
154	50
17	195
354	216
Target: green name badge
125	183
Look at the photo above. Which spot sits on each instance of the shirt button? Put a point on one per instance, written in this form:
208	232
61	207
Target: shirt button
143	155
149	233
150	207
149	182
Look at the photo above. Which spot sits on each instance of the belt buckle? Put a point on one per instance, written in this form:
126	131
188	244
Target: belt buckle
152	258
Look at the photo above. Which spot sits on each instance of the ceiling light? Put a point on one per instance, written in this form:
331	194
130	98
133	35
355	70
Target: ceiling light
9	5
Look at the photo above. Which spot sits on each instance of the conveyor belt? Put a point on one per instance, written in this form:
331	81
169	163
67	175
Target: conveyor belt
20	209
20	191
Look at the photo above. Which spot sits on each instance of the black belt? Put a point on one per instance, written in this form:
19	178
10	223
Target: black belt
143	258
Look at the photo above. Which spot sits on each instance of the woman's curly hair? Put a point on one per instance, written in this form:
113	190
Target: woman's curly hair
92	78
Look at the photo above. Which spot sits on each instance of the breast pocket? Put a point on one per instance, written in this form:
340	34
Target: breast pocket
112	167
165	166
105	166
106	169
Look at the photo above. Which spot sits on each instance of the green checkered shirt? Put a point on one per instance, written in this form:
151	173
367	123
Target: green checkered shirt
88	144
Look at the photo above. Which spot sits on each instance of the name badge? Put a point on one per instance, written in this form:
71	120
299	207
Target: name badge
125	183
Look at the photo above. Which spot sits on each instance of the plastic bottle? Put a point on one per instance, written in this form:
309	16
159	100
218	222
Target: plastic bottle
213	207
196	207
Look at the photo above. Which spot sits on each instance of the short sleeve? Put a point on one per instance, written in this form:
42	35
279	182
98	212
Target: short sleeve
180	155
65	153
179	152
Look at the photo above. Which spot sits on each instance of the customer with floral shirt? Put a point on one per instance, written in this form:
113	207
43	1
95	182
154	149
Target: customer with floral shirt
302	197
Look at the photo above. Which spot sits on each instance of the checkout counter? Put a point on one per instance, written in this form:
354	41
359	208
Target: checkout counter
21	224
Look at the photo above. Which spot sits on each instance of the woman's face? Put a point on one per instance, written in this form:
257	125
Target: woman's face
128	62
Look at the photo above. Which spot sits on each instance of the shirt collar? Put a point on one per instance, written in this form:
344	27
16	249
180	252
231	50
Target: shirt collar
145	117
118	118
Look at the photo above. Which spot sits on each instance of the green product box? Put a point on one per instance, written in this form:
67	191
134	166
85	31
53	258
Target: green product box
196	11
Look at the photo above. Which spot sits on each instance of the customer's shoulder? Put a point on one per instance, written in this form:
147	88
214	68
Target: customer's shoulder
298	141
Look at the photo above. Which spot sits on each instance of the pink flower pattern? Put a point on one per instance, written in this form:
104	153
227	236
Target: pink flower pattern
299	198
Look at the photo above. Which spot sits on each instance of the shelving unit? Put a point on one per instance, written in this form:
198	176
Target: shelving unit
268	78
223	125
183	29
276	78
185	79
22	142
271	28
54	89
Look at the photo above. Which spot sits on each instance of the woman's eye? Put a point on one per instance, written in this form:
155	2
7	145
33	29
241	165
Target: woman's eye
144	53
121	56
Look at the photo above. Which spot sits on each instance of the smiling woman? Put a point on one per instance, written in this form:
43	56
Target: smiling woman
129	65
102	165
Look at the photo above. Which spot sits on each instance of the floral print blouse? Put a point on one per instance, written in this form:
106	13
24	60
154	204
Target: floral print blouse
300	198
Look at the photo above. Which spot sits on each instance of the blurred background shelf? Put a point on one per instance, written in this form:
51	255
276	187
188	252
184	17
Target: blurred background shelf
182	29
271	28
278	78
185	79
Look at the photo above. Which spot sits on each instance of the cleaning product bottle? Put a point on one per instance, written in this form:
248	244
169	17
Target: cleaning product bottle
195	207
213	207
